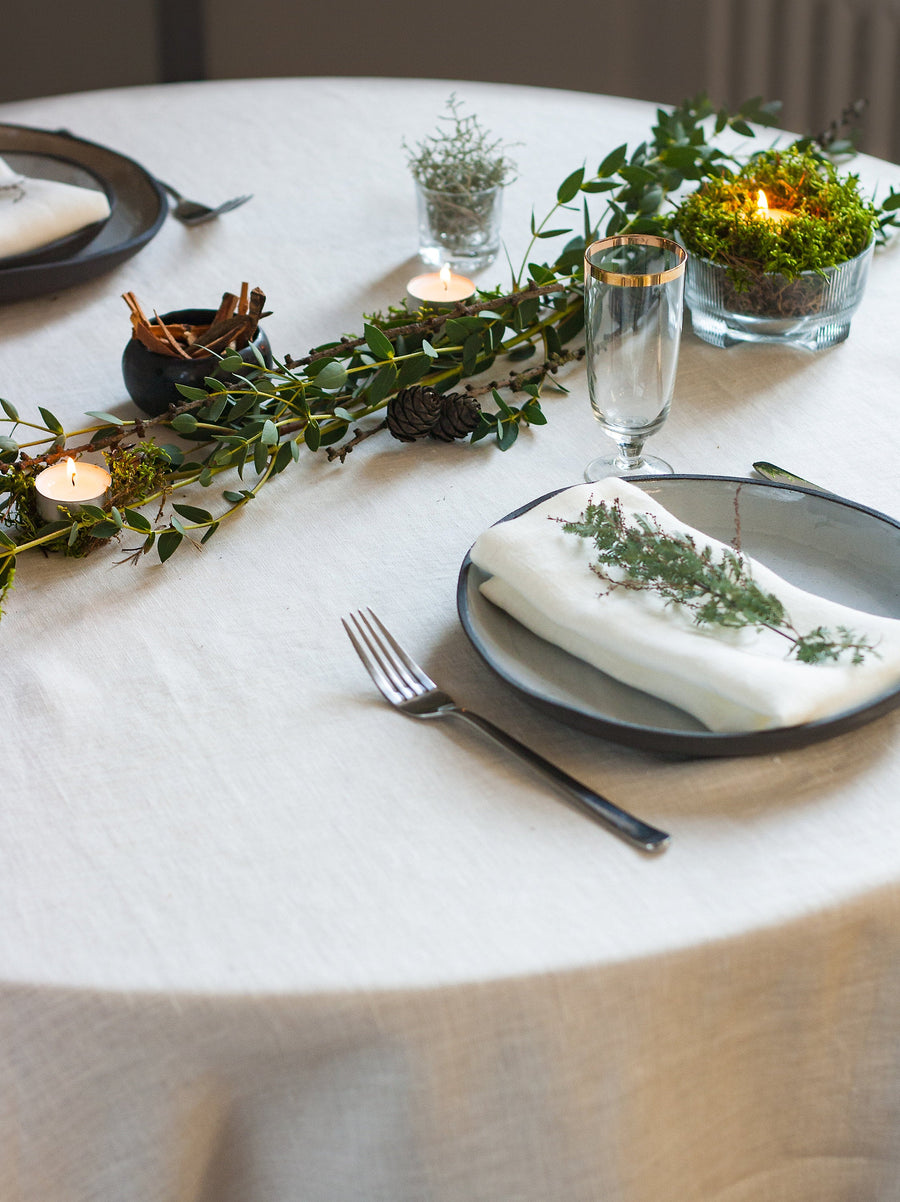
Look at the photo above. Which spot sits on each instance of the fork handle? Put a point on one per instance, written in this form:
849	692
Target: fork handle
633	830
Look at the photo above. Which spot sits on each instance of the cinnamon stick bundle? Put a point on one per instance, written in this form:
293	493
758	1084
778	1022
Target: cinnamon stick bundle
233	326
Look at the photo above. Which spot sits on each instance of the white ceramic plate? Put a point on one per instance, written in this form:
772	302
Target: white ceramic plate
819	542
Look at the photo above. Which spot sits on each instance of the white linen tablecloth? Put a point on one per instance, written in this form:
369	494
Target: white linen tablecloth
264	940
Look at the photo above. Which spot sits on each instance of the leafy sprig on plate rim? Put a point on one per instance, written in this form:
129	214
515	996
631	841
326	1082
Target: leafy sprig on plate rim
717	588
253	429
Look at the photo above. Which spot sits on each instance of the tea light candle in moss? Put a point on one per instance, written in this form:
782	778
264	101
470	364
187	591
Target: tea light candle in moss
776	216
72	485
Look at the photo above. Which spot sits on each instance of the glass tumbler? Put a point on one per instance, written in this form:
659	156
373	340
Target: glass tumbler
459	228
633	295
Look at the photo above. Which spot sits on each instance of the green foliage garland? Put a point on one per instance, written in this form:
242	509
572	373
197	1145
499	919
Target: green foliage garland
253	430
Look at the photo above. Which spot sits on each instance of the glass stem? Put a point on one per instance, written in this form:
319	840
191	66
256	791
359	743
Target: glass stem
630	454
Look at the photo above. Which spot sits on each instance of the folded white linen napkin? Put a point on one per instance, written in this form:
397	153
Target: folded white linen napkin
34	212
731	679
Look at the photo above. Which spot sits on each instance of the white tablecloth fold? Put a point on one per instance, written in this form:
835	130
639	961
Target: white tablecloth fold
35	212
731	679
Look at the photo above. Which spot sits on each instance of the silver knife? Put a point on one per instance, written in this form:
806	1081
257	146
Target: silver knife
780	475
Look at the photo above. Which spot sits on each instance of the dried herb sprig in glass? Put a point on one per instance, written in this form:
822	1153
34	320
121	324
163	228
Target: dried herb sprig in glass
461	156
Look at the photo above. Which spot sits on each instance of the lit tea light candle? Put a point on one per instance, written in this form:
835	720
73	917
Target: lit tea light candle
440	288
71	484
776	216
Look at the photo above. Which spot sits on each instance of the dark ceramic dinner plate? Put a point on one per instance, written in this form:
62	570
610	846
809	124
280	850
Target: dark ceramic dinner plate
137	202
822	543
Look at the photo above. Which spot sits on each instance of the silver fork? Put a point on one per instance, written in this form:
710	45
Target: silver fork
405	685
193	212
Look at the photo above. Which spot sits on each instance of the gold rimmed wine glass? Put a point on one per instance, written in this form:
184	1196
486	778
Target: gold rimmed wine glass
633	292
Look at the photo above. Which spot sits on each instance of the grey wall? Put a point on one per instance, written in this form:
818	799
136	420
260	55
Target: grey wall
815	55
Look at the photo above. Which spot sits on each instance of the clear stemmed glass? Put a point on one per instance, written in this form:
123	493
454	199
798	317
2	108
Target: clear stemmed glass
633	292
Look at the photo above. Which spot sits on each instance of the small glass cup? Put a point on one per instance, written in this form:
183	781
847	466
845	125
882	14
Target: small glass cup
634	293
459	228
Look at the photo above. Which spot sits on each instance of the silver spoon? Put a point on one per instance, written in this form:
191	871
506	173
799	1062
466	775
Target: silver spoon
194	212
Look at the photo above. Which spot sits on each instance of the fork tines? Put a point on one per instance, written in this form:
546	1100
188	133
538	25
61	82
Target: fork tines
396	675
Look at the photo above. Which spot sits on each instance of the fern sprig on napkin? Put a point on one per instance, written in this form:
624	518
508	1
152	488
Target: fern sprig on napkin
718	591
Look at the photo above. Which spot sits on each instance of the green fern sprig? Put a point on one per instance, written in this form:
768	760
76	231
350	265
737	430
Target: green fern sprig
718	589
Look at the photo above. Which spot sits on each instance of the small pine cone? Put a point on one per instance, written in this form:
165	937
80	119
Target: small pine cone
412	412
459	416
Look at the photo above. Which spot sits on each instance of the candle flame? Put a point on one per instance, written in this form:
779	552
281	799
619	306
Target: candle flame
445	276
70	468
761	202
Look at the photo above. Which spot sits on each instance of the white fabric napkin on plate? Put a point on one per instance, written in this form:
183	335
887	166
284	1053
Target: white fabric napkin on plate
731	679
34	212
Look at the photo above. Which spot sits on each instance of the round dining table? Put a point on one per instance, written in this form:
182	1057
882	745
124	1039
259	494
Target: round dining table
264	939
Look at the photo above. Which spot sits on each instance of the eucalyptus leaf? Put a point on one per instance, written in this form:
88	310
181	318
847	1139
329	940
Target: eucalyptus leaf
282	458
193	514
410	372
137	520
332	434
568	189
105	529
615	160
378	342
10	410
242	406
51	421
184	423
174	454
190	393
507	434
105	417
167	544
214	410
383	383
471	347
332	376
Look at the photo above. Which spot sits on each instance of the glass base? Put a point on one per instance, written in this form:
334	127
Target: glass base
812	311
461	261
612	465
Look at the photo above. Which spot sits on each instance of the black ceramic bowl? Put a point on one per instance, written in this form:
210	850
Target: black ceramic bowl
151	378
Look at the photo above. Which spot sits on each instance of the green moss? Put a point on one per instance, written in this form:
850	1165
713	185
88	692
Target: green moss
830	221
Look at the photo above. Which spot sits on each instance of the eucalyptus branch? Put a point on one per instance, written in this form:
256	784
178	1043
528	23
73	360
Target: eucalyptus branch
433	321
258	419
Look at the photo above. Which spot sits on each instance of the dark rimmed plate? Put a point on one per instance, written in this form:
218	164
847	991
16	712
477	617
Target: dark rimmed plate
137	202
821	543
